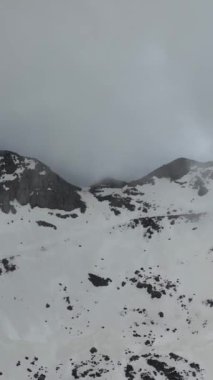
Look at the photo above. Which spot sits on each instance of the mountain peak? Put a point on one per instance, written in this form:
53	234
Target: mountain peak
29	181
174	170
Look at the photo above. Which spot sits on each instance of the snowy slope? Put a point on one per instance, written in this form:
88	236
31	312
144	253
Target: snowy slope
120	290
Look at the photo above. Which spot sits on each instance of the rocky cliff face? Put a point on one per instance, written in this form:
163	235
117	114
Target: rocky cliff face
28	181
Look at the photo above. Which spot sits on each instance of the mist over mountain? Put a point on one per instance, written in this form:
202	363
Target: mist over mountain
105	89
106	210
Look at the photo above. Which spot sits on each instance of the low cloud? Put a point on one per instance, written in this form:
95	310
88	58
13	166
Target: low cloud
106	88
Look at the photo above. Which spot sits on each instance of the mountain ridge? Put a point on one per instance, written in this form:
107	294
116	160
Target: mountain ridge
115	292
174	170
29	181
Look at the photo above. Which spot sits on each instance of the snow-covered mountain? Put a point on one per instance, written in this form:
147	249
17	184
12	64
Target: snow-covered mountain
110	282
30	182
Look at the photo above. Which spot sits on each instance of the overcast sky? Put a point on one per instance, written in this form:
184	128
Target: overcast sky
99	88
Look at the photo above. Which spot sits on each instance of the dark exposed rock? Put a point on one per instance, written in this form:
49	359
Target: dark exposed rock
170	373
42	377
66	216
99	281
195	366
152	224
28	181
42	223
116	211
146	376
150	289
7	265
115	201
209	303
93	350
96	366
155	285
129	372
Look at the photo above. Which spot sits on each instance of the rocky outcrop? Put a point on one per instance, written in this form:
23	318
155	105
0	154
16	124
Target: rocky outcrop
28	181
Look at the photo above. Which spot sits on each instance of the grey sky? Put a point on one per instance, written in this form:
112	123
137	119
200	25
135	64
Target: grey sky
101	88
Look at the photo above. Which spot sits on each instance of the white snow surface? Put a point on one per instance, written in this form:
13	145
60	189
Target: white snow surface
55	324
